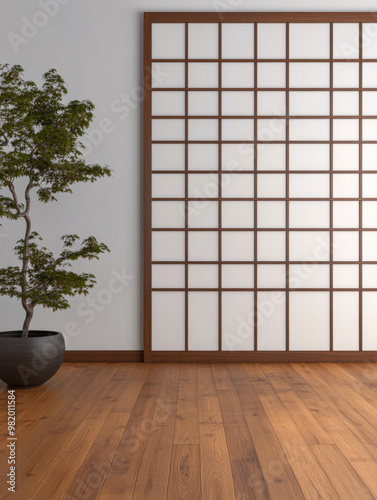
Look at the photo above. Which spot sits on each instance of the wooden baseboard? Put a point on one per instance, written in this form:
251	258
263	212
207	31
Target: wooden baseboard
264	357
104	357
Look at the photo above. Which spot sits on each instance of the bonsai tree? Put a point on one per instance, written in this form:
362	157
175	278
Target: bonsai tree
40	151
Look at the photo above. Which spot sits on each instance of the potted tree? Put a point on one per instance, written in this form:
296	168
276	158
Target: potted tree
40	156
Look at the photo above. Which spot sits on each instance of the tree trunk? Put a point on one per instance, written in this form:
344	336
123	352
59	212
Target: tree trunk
28	318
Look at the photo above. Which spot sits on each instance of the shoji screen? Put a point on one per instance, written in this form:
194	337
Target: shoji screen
260	186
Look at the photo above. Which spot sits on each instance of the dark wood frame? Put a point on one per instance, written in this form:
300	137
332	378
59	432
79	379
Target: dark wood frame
252	17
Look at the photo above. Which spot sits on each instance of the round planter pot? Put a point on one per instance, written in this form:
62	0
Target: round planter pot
31	361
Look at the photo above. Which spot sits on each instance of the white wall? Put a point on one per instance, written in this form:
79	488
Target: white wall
96	45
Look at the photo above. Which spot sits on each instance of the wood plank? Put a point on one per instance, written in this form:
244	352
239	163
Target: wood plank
216	473
341	475
274	457
208	400
184	478
312	479
187	418
248	477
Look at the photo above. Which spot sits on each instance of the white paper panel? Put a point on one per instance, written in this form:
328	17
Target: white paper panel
346	275
237	130
168	130
271	41
370	130
168	245
237	185
309	321
271	130
203	276
271	275
167	214
309	185
271	185
370	214
369	245
309	214
203	185
203	130
237	103
302	75
309	130
345	103
203	75
203	103
238	276
271	75
203	157
369	103
237	245
309	245
370	75
271	103
369	316
346	130
346	41
203	245
168	276
237	214
346	156
168	185
237	75
346	185
168	156
271	321
309	276
369	275
168	321
309	103
346	321
237	41
168	41
203	321
168	103
271	214
345	245
237	321
345	214
309	41
237	156
271	245
271	156
168	75
369	157
370	185
309	157
203	214
203	40
346	75
369	41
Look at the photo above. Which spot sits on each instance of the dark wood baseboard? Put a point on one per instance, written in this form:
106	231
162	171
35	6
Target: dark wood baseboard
264	357
104	357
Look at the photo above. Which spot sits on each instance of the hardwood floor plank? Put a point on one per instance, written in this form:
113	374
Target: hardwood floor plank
341	475
248	477
216	473
208	399
184	477
274	457
186	429
246	394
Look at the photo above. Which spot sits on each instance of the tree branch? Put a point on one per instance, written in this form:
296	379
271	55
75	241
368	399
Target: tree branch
15	198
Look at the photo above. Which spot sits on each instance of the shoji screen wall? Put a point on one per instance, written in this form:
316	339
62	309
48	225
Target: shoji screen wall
260	186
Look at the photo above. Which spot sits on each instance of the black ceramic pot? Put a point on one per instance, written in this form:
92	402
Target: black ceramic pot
31	361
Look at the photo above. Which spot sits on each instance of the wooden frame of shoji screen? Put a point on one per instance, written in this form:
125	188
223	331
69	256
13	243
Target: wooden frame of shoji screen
262	355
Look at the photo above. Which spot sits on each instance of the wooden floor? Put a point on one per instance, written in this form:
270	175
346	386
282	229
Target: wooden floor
196	432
